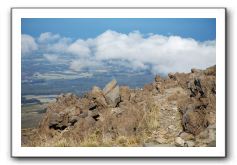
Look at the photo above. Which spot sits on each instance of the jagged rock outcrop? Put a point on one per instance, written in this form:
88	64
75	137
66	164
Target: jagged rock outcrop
177	110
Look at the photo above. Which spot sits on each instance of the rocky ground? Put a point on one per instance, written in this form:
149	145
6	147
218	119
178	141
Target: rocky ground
175	111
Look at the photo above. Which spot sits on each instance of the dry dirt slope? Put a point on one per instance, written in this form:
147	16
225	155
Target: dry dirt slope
175	111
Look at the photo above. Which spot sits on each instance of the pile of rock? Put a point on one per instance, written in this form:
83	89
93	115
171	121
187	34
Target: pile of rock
186	110
199	108
68	108
206	138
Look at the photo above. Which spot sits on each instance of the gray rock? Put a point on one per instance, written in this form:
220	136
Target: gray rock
179	142
54	119
83	114
92	105
73	119
113	97
194	121
190	143
186	136
99	96
56	122
93	113
172	76
111	85
193	70
90	121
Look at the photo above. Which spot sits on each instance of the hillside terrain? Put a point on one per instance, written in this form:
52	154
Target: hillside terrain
179	110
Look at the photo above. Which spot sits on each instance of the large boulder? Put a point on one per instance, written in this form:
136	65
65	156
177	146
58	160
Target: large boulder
73	119
98	95
207	137
92	105
172	76
194	121
64	112
194	70
179	142
113	97
54	119
57	121
110	86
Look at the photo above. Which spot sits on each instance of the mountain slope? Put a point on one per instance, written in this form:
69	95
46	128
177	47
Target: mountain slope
175	111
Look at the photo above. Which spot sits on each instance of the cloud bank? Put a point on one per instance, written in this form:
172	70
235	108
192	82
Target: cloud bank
133	51
28	44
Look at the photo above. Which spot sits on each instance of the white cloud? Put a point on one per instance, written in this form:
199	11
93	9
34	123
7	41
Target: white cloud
51	57
80	48
133	51
160	53
60	46
28	44
79	65
48	37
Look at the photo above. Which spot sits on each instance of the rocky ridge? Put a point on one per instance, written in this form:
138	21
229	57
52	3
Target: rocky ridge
178	111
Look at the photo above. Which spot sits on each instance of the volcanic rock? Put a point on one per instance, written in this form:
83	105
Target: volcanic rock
179	110
110	86
194	121
113	96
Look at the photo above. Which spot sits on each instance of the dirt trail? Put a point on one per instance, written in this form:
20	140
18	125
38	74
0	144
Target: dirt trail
169	117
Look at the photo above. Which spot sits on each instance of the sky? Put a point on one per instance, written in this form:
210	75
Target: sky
155	45
198	29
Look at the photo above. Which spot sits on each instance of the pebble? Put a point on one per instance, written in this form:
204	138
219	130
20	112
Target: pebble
190	143
179	142
186	136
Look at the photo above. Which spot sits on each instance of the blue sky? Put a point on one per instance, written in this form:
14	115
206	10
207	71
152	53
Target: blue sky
200	29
